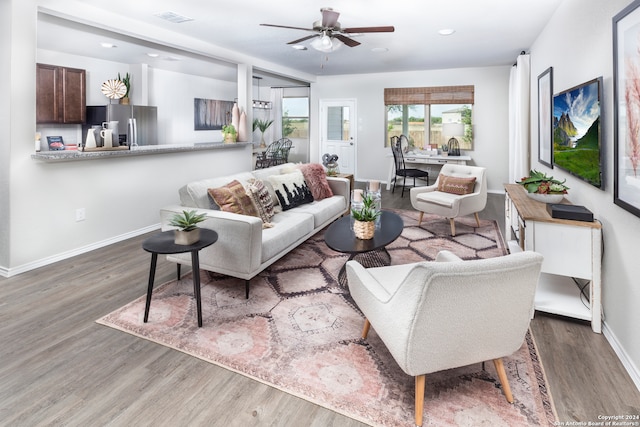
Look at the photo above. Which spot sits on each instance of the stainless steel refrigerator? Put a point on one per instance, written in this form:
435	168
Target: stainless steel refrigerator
137	124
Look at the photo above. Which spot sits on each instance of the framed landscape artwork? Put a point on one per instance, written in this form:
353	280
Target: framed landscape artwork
577	142
545	117
626	84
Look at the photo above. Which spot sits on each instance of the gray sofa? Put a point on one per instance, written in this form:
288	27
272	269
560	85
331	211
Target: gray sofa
244	248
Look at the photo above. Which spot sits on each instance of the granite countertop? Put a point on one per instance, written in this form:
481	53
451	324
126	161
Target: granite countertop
67	156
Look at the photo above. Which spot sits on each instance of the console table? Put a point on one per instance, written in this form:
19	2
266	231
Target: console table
571	249
422	159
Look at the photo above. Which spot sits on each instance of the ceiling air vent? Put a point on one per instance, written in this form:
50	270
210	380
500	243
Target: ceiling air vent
173	17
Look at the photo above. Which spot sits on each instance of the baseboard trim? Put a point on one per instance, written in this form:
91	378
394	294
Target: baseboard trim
628	364
8	272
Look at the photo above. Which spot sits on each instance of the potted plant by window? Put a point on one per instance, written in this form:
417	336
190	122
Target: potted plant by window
364	225
262	125
127	83
543	188
229	133
187	233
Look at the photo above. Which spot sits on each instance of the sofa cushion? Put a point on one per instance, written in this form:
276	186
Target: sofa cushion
316	179
456	185
323	210
195	194
233	198
291	189
261	199
288	228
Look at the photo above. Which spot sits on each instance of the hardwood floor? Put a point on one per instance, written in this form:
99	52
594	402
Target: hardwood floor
61	368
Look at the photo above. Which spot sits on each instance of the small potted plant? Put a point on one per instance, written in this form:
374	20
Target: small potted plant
187	233
262	125
543	188
229	133
364	225
127	83
445	149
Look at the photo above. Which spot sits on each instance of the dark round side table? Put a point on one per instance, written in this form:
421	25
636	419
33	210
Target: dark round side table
163	243
371	252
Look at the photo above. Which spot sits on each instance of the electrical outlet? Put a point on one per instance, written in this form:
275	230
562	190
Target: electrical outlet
80	214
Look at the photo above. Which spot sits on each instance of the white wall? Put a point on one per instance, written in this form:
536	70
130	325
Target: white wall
490	115
6	78
577	43
173	94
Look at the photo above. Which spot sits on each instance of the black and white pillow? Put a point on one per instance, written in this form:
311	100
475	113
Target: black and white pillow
291	189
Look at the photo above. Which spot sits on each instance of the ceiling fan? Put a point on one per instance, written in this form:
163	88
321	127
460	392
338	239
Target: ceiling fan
329	29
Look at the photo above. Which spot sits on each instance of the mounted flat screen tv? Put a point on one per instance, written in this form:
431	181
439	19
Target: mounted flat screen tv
577	142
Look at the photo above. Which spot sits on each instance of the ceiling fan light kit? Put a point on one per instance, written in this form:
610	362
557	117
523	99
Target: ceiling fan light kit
329	35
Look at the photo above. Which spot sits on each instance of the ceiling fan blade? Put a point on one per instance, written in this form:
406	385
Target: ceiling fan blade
285	26
346	40
303	39
388	29
329	18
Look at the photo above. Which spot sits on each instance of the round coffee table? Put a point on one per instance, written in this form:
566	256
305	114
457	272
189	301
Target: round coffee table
371	252
163	243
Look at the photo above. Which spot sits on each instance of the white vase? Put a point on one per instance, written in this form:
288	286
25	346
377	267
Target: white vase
546	198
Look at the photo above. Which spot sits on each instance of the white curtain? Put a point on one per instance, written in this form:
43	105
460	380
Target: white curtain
519	118
276	113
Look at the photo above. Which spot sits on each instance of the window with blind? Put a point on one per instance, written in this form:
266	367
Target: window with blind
420	113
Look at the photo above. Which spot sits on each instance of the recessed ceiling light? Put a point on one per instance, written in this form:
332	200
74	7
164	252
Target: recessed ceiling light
446	31
379	49
299	47
108	45
153	55
173	17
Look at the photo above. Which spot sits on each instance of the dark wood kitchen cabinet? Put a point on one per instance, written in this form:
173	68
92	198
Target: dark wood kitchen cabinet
60	94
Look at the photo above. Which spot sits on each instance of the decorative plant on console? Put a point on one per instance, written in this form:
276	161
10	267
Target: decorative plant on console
262	125
543	188
187	233
229	133
127	83
364	225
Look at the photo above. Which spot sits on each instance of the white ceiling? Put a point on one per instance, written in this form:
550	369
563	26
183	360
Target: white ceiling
488	33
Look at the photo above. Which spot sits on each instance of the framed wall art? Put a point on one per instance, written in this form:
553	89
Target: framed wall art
626	129
545	117
211	114
577	142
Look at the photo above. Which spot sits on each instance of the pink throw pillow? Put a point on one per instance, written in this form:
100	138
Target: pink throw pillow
316	179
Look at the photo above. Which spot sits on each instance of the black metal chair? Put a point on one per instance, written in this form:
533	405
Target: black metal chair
401	169
268	157
282	155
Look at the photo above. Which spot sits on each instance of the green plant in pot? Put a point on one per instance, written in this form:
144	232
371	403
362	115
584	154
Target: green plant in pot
188	232
364	216
262	125
229	133
543	188
127	83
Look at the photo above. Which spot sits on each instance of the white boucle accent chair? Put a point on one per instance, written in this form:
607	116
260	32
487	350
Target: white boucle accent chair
428	199
440	315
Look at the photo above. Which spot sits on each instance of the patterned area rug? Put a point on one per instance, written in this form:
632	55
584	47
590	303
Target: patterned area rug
300	332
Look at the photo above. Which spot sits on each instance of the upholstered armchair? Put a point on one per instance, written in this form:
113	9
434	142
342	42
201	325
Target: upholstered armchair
459	190
439	315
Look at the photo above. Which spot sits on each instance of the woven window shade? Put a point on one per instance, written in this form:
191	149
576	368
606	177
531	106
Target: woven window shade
429	95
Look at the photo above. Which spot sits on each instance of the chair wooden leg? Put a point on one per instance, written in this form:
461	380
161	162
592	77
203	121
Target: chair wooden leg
502	376
477	219
420	384
453	226
420	219
365	328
